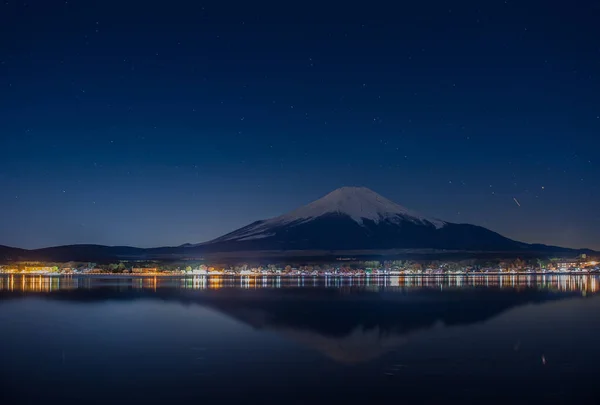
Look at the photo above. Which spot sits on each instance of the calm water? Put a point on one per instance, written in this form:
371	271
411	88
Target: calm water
72	340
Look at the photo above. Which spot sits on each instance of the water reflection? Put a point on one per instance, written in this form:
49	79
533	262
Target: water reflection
585	284
107	339
348	320
355	325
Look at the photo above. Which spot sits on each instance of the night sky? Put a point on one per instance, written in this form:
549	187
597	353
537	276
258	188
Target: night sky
153	123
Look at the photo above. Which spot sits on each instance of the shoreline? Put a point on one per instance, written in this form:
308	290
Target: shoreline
354	276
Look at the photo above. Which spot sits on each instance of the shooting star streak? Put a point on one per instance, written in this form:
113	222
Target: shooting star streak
517	201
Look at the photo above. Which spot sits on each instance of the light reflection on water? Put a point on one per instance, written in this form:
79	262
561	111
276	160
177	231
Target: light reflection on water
586	284
107	339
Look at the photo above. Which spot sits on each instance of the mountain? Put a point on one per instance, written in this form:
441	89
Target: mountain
352	220
85	253
10	253
356	218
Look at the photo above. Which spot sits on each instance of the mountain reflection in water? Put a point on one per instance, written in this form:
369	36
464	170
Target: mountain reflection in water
349	321
130	340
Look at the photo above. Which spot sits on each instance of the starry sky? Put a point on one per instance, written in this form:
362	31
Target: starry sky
153	123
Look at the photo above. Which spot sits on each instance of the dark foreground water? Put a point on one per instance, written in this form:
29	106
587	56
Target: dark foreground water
299	341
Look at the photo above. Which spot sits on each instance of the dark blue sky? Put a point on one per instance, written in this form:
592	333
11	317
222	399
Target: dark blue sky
158	123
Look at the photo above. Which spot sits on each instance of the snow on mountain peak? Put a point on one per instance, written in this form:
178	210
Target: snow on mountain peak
359	203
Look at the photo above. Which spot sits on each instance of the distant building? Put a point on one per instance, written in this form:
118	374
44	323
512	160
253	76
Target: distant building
566	264
7	269
37	269
138	270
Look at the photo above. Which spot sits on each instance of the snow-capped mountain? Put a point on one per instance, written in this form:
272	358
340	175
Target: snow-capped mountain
351	218
347	219
358	203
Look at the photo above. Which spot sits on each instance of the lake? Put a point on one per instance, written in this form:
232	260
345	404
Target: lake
147	340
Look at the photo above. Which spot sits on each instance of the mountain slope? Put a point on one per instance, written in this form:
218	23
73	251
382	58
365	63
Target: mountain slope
347	219
352	218
85	253
10	253
363	206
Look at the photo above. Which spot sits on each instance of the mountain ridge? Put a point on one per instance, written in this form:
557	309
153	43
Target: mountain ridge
359	203
344	220
358	218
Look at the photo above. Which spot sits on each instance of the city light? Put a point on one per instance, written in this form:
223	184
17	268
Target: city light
584	284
